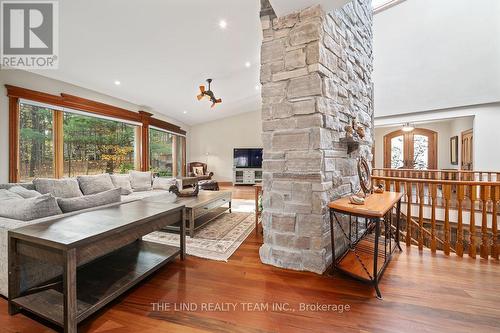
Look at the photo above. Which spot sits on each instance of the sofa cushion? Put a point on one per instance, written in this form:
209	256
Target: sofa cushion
24	192
61	188
30	209
6	195
140	181
7	186
95	183
88	201
123	182
163	183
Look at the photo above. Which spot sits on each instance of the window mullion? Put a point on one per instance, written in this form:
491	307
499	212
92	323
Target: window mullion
58	144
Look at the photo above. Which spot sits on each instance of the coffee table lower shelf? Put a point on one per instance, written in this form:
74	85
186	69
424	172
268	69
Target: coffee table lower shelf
101	281
200	221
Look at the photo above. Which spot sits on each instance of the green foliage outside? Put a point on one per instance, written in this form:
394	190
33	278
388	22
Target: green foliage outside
92	140
160	152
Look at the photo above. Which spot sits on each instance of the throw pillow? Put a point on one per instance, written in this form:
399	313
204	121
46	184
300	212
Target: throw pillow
30	209
24	192
163	183
123	182
6	195
88	201
61	188
140	181
95	184
198	171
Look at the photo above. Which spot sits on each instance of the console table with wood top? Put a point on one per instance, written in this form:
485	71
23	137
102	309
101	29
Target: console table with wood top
100	255
368	252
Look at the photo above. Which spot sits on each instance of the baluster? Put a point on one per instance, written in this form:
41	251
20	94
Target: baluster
388	185
396	186
472	223
433	190
460	231
495	194
446	195
408	213
421	215
484	249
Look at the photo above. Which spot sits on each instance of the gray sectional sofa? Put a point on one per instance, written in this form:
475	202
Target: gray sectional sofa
73	203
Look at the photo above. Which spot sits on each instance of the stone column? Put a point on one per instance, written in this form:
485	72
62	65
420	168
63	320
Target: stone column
316	76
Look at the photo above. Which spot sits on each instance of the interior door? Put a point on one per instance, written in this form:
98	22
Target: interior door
411	150
467	150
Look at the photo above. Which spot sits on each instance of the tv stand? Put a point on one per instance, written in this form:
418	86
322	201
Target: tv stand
247	176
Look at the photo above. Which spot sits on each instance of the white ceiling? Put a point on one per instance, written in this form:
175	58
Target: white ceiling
161	51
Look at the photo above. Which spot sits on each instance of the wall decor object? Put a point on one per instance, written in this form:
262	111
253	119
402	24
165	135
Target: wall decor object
454	150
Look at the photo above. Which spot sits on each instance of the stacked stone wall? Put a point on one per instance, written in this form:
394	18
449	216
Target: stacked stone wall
316	75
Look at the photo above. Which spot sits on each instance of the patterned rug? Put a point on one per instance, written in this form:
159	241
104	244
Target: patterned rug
217	240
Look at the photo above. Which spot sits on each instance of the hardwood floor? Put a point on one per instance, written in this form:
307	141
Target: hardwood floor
422	292
246	192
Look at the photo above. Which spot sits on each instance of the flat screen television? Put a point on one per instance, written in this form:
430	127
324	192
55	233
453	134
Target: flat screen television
247	157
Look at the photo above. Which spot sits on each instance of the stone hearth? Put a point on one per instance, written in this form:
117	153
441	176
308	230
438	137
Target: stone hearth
316	76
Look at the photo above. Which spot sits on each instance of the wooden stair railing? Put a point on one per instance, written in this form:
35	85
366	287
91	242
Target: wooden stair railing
426	233
482	194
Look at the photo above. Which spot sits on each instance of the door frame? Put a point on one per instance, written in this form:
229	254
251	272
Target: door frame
461	157
408	146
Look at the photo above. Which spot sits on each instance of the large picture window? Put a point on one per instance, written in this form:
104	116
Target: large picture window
36	142
56	136
90	145
165	153
94	145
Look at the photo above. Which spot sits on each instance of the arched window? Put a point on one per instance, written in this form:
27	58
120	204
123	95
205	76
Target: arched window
411	150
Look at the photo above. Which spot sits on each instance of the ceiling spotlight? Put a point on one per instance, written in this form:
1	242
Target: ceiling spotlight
117	83
223	24
407	127
248	64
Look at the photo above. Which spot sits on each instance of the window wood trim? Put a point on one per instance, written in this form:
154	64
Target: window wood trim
183	173
58	144
13	139
87	105
15	93
145	120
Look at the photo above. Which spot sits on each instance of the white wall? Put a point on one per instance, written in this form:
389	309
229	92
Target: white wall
436	54
220	137
40	83
445	130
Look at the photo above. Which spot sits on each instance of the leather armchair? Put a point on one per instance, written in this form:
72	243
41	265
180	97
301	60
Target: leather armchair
206	175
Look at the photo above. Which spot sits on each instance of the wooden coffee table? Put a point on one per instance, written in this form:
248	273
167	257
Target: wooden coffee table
100	255
200	210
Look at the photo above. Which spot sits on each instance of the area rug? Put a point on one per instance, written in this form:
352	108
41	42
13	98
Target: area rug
217	240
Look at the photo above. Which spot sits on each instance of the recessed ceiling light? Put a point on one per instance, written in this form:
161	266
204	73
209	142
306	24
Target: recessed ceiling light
184	112
223	24
248	64
257	87
117	83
